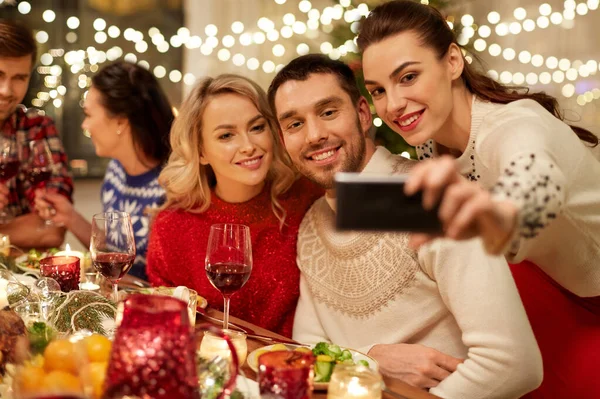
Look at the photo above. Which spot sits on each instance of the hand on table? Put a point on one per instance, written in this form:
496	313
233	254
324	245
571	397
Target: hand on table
54	206
466	209
414	364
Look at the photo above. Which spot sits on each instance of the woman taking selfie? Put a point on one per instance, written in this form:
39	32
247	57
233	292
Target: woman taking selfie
128	117
510	170
228	166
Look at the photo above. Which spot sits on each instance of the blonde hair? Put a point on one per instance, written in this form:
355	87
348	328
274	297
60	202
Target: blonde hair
186	181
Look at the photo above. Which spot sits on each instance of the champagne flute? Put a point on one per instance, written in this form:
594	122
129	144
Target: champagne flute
112	246
9	167
41	167
228	261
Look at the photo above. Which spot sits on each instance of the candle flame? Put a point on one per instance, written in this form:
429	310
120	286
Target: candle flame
68	248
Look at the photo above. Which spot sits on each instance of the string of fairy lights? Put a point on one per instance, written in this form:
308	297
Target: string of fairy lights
307	27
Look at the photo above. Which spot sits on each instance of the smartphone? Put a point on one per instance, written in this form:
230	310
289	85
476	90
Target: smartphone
378	203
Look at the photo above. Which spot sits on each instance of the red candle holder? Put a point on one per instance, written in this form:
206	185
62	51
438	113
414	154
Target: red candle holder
286	375
153	353
64	269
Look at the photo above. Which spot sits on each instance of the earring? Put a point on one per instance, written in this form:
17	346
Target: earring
118	132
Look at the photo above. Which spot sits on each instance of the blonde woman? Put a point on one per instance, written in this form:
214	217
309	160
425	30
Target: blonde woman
228	166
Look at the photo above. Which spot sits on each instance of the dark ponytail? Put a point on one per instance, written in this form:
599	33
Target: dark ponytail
131	91
399	16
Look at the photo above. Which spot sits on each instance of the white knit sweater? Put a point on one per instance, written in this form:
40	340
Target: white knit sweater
524	154
359	289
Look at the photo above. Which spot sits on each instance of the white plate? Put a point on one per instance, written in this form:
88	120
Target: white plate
21	262
252	361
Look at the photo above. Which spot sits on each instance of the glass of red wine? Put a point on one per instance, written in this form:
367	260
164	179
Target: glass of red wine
9	167
228	260
112	246
41	166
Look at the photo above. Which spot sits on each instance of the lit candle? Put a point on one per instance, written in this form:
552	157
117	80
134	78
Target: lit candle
66	270
69	252
4	245
80	255
3	293
213	345
89	286
354	381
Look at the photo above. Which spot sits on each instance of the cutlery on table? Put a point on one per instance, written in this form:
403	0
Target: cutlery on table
248	331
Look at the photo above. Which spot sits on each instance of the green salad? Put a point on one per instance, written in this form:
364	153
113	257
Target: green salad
327	356
34	256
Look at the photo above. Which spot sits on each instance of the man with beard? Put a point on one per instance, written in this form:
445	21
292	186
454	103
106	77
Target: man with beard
20	127
447	318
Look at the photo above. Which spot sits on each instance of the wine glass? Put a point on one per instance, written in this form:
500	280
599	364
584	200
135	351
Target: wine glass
9	167
228	260
112	246
41	167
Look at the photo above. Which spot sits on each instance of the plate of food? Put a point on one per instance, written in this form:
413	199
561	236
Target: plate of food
30	262
327	355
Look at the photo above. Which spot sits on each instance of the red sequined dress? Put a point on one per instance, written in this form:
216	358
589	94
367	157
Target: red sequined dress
178	243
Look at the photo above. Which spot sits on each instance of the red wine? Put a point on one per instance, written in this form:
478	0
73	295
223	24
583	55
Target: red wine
113	265
228	277
8	170
38	175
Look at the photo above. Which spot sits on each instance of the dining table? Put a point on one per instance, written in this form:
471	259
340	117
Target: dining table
258	337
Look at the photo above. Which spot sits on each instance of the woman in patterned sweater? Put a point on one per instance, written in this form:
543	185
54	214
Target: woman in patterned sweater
513	172
129	118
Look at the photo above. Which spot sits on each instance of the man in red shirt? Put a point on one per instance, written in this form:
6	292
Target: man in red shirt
22	126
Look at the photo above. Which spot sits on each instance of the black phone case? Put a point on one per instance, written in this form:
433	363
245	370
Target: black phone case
381	205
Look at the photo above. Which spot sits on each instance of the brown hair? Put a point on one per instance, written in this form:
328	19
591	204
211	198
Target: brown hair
16	40
130	91
399	16
303	67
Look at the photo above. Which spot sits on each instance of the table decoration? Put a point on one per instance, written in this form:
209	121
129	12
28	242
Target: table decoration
285	375
69	252
187	295
214	345
82	258
91	282
5	244
12	291
153	354
66	270
354	381
84	310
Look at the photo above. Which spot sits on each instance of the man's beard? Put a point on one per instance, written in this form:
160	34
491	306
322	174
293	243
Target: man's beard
355	152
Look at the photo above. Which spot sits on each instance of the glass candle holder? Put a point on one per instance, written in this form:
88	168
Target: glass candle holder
153	353
92	282
64	269
285	375
183	293
213	345
354	381
30	312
